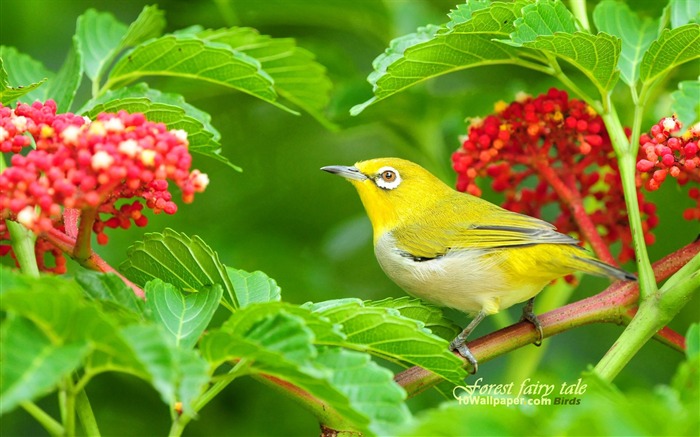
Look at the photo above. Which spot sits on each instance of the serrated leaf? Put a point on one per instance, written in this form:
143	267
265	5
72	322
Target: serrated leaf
185	316
281	346
170	109
9	94
686	102
297	76
683	12
636	33
188	57
64	85
464	11
32	364
23	70
111	291
102	36
254	287
672	48
431	316
187	263
386	333
434	51
548	26
369	387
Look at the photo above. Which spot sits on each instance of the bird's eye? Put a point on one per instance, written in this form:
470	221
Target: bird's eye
388	178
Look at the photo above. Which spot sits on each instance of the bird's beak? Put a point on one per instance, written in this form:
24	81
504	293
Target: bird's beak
351	173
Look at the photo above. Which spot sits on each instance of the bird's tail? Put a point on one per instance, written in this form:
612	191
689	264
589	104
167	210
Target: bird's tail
599	268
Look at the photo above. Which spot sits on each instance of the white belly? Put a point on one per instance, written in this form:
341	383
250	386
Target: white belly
466	280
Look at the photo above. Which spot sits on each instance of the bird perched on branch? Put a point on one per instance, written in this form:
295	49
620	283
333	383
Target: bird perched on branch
459	251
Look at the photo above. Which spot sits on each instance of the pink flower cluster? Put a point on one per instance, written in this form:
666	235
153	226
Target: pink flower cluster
662	154
89	165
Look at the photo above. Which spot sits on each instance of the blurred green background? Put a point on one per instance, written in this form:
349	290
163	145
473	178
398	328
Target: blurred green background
304	227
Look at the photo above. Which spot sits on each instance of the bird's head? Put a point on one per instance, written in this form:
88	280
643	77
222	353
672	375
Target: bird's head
392	190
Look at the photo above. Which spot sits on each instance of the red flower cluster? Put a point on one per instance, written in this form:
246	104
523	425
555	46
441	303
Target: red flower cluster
662	154
552	151
86	165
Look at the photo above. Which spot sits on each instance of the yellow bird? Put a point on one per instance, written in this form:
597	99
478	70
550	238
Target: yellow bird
459	251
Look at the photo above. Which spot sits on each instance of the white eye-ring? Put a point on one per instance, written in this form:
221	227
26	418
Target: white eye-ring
388	178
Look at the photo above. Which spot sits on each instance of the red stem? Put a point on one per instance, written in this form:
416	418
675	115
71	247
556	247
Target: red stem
93	261
573	199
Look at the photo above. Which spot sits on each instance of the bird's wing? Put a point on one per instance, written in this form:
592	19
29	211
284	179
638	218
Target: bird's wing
492	228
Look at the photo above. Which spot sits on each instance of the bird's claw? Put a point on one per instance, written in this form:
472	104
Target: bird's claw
529	316
464	351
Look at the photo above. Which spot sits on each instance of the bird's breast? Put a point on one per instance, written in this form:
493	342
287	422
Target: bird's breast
470	280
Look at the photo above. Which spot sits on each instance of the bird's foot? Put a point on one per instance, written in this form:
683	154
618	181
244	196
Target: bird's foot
461	347
529	316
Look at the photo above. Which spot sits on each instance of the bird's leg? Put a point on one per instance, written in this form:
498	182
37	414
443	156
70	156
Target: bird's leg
460	342
529	315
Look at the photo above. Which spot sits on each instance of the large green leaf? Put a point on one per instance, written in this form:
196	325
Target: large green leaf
170	109
188	57
297	76
187	263
23	70
673	48
102	36
254	287
548	26
185	316
32	362
686	102
431	316
281	346
386	333
9	94
433	51
636	33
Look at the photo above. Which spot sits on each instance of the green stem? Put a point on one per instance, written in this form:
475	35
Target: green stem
23	241
563	78
50	424
578	8
179	424
654	313
627	164
66	398
86	415
82	249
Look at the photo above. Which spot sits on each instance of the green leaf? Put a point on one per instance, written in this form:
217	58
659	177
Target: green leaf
684	12
692	340
636	33
170	109
64	85
188	57
187	263
548	26
434	51
369	387
386	333
103	37
254	287
9	94
431	316
32	363
686	102
281	346
672	48
22	70
111	291
296	75
98	33
185	316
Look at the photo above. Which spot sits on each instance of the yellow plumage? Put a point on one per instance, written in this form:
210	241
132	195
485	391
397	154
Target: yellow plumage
457	250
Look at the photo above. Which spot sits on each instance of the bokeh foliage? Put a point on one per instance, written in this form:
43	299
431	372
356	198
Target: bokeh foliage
307	230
